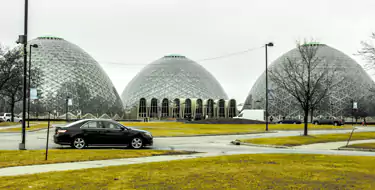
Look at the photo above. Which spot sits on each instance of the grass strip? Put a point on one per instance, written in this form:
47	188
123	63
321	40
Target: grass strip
363	146
182	129
303	140
10	158
259	171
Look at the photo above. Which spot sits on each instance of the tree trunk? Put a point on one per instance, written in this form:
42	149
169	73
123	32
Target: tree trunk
305	120
12	110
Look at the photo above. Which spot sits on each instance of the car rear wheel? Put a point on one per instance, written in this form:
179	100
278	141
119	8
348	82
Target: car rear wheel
136	143
79	143
316	123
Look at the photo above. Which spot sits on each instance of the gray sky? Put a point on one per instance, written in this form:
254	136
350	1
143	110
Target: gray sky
124	35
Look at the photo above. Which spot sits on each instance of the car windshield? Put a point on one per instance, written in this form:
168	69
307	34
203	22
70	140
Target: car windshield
74	123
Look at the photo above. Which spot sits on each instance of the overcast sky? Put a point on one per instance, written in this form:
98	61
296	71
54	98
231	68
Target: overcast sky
124	35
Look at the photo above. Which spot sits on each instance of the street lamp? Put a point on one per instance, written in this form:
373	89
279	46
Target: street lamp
270	44
22	39
28	106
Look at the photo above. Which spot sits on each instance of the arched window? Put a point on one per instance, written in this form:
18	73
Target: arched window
187	108
165	108
221	108
142	108
199	110
176	108
210	108
154	108
232	108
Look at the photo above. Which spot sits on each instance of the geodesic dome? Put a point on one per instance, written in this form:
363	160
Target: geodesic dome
354	87
67	70
172	77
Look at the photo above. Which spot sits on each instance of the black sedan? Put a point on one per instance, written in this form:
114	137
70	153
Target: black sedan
101	132
290	121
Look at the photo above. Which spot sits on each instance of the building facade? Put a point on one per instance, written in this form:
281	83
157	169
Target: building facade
180	108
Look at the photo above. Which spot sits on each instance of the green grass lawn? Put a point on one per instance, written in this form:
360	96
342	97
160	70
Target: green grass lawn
363	145
10	158
5	124
182	129
34	125
303	140
258	171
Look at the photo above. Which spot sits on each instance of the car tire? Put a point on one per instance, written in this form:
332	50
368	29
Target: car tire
316	123
78	143
136	143
8	120
294	123
335	124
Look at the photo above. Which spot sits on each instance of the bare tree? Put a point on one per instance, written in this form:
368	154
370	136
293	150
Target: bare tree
13	87
8	61
368	52
306	77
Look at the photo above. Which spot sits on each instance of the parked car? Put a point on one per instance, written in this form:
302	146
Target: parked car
101	132
7	117
290	121
329	121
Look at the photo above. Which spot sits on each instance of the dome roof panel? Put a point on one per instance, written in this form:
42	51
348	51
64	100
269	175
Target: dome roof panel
172	76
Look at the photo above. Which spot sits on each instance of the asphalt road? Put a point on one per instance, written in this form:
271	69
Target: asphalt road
37	140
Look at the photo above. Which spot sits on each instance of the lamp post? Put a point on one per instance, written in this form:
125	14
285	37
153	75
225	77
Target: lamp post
23	40
28	106
270	44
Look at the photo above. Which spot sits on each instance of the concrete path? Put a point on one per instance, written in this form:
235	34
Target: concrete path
332	145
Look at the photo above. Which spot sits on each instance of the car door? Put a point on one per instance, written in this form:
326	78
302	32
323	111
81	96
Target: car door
93	132
115	133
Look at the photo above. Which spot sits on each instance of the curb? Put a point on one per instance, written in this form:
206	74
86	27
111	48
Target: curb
357	149
237	142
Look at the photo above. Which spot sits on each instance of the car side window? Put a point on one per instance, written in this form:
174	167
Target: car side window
92	125
110	125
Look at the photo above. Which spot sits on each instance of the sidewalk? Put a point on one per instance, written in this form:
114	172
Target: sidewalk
33	169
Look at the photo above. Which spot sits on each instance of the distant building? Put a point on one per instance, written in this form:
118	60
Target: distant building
355	86
175	86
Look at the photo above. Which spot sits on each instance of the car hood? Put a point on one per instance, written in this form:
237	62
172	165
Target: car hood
138	130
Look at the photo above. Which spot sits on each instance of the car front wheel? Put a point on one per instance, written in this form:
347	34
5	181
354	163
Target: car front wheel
136	143
79	143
